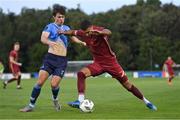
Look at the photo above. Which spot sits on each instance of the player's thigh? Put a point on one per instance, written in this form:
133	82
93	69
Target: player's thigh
55	80
116	71
43	76
94	69
15	72
86	71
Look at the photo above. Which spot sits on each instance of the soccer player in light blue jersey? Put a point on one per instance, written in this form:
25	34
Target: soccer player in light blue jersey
55	61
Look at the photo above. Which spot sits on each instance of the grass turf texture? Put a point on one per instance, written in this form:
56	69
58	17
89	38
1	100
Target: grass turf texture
111	100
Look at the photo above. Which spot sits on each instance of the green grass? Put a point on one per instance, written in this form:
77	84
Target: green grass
111	100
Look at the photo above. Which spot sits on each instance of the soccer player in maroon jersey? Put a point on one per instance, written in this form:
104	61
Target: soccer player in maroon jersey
168	66
96	39
14	66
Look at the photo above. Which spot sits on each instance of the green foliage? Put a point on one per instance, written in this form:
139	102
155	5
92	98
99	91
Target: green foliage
145	33
37	53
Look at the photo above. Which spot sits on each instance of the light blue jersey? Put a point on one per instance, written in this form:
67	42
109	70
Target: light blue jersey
53	28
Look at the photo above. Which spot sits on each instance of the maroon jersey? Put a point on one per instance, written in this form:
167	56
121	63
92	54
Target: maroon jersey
104	58
169	63
13	67
97	44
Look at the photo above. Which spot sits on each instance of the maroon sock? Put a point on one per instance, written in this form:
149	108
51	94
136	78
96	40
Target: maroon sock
19	80
11	80
81	82
170	79
136	92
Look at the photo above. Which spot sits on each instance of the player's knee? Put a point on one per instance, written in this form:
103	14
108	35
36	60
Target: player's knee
127	85
40	82
54	84
81	75
123	79
16	76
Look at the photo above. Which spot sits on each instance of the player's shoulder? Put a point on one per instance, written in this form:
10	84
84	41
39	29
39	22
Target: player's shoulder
50	25
66	27
12	52
95	27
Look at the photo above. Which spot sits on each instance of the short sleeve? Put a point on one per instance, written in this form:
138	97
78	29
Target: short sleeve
12	54
79	33
66	28
48	28
98	28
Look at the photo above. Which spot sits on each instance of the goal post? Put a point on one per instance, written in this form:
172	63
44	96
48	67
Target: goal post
74	66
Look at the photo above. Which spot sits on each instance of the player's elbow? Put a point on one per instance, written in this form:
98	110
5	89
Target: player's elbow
43	40
107	32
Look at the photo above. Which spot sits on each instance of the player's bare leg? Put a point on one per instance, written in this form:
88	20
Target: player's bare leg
55	90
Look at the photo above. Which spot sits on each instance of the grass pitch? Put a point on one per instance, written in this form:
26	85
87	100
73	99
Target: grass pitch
111	100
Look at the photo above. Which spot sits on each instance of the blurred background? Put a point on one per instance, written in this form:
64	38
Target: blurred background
144	32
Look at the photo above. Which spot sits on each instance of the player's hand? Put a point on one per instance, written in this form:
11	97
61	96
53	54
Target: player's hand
61	32
83	43
19	64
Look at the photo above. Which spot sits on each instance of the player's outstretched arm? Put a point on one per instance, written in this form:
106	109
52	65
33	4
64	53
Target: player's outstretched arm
69	32
76	40
176	65
99	32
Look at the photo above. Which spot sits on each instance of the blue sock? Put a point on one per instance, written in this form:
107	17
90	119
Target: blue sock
35	93
55	91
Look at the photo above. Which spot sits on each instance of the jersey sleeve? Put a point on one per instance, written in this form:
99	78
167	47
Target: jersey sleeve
12	54
98	28
48	28
79	33
67	28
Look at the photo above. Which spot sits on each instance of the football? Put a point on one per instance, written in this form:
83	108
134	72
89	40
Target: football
86	106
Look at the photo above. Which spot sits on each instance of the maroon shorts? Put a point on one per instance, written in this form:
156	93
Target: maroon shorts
14	69
170	71
113	68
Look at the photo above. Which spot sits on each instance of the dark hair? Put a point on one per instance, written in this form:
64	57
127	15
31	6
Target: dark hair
16	43
58	9
85	24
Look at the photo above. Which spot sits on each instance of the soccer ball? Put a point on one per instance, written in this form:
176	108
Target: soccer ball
86	106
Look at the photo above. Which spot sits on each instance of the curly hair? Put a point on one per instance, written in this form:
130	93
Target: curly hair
85	24
58	9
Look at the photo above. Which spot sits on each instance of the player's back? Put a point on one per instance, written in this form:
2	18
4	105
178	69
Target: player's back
99	46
